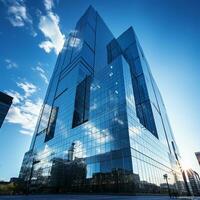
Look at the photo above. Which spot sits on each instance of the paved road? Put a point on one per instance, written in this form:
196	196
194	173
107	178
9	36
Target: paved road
90	197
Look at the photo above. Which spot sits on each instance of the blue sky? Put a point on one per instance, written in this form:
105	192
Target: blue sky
32	33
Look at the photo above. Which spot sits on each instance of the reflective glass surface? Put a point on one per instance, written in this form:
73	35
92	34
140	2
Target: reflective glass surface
103	126
5	103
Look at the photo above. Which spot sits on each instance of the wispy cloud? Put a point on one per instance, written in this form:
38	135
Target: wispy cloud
42	73
43	76
47	46
28	88
49	26
24	111
49	4
75	42
25	114
10	64
18	15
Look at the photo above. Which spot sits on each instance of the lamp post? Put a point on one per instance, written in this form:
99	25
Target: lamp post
165	176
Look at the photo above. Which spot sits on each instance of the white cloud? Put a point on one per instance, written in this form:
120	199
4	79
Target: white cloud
75	42
42	73
26	132
33	33
10	64
24	111
39	69
47	151
49	26
97	134
28	88
72	41
47	46
25	115
48	4
17	14
43	76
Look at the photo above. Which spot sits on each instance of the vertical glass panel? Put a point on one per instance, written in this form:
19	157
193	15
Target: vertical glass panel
67	81
52	124
88	35
88	55
81	109
126	38
44	118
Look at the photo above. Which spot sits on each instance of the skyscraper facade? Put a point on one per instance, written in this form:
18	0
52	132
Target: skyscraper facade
194	181
5	103
197	154
103	126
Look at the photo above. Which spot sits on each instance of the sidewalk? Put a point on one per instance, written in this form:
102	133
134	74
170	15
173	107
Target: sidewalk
93	197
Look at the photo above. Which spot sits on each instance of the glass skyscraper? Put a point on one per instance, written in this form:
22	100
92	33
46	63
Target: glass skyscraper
103	126
194	181
197	154
5	103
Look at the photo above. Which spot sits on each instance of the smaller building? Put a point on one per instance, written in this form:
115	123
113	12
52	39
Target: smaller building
14	180
198	156
5	103
194	180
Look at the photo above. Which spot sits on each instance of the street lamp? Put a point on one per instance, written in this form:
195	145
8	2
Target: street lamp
165	176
